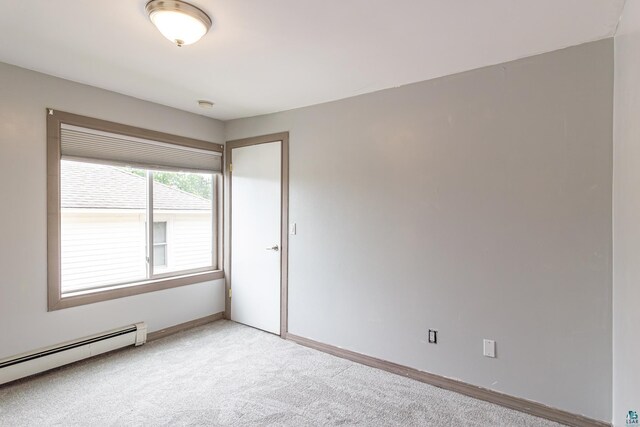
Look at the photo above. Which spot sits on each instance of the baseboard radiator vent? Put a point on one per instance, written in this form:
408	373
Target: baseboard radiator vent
27	364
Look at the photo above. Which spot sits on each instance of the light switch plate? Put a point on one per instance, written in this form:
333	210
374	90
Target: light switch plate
292	228
489	348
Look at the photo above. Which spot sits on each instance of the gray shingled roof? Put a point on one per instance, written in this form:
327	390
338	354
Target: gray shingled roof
105	187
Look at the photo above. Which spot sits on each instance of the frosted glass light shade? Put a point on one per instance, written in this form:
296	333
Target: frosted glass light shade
180	22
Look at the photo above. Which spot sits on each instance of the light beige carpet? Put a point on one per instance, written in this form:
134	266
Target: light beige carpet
228	374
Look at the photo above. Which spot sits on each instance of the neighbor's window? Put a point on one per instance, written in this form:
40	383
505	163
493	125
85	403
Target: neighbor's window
133	211
160	244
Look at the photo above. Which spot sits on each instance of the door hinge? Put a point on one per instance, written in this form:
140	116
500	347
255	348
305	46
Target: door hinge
229	293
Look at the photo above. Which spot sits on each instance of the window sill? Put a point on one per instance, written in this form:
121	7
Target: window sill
73	299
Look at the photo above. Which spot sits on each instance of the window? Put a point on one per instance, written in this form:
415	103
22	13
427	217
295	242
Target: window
160	244
130	211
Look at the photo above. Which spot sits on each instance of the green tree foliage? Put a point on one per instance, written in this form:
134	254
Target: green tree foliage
194	183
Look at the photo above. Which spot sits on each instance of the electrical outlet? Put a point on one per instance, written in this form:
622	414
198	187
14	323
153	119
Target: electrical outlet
433	336
489	348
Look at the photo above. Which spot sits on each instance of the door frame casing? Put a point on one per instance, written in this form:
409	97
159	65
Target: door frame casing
283	137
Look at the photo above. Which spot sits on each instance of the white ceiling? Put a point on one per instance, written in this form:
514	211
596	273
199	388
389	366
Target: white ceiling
264	56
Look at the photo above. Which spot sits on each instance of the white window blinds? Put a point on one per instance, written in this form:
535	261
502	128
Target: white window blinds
105	147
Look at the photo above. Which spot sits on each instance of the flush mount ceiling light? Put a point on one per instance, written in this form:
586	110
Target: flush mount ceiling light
180	22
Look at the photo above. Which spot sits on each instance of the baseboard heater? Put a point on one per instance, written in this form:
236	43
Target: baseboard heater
26	364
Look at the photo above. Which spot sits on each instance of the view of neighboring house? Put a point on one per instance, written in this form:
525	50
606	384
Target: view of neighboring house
103	227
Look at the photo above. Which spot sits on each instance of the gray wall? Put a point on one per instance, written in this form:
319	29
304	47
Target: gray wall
477	204
25	323
626	220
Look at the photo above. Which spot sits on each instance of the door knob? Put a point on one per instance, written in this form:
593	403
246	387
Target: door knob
274	248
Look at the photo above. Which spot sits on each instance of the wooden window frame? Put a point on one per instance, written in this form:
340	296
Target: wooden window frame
55	299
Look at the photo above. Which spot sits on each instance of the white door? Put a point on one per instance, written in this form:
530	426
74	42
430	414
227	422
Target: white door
255	235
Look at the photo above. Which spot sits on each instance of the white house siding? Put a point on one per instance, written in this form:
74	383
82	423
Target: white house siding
189	240
102	248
